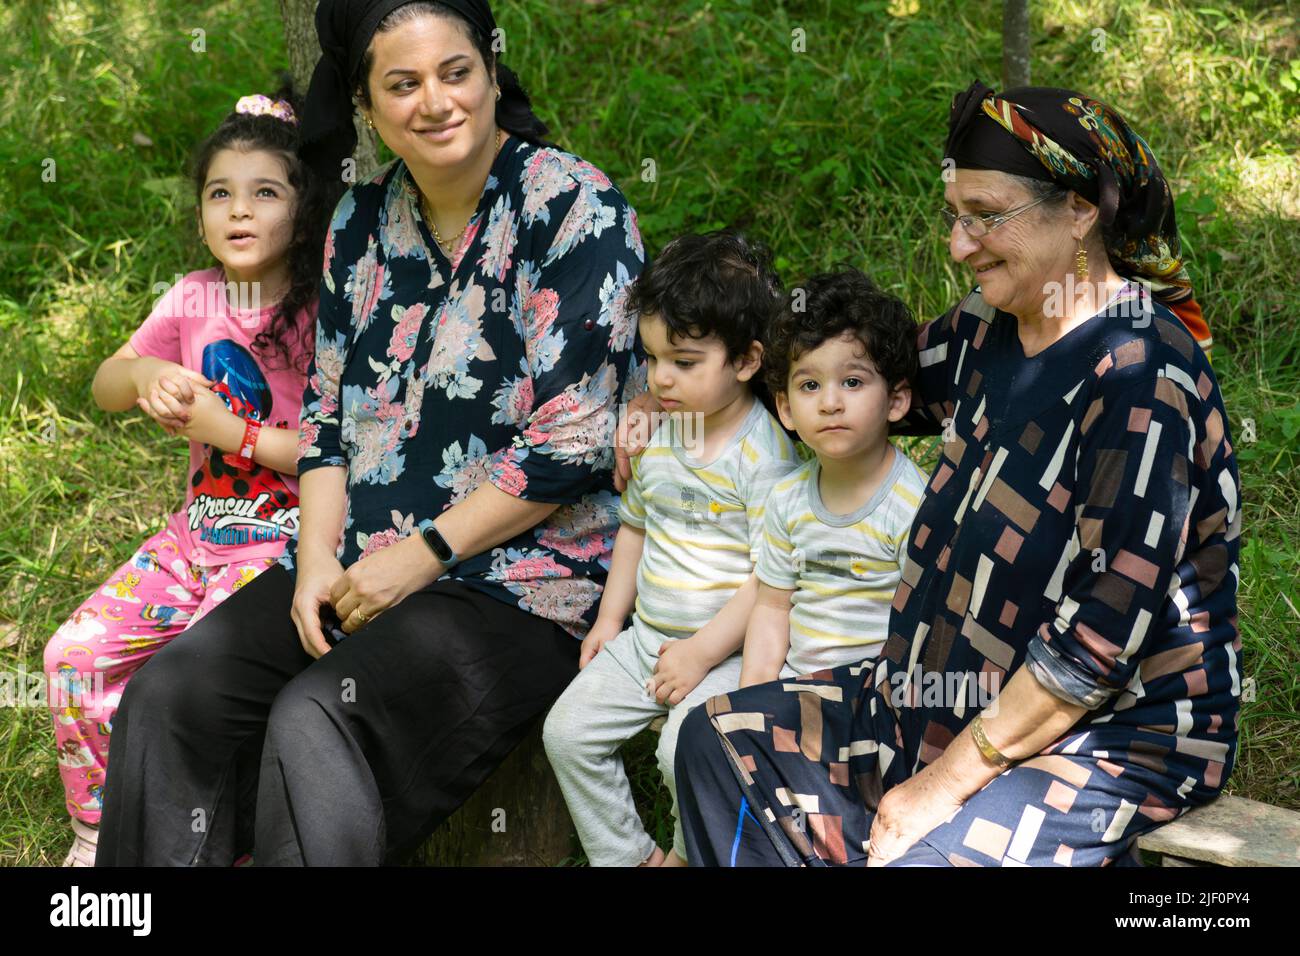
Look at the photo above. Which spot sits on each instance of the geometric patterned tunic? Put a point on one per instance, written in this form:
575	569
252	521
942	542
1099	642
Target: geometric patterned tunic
1083	520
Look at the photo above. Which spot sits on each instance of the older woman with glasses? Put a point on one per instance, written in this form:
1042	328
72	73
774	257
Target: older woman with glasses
1062	669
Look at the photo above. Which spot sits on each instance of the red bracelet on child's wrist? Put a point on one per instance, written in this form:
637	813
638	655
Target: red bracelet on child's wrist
244	459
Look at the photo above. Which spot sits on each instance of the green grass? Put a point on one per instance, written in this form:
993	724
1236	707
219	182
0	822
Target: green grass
829	155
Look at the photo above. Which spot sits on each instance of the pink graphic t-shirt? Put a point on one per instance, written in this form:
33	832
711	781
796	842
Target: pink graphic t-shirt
230	514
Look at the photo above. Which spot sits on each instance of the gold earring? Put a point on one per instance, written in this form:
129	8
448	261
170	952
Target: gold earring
369	121
498	92
1081	262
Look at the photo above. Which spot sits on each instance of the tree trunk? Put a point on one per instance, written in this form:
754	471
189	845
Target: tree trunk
1015	43
517	818
299	18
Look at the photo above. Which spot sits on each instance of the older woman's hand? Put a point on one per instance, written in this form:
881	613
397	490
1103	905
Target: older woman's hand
908	812
383	579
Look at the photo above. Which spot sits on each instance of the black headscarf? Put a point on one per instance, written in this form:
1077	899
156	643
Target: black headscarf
345	29
1085	146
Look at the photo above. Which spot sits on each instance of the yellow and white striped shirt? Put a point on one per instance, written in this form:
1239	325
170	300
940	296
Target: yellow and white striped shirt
703	521
843	569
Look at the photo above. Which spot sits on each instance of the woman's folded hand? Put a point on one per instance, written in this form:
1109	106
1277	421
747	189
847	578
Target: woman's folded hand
382	579
908	812
315	577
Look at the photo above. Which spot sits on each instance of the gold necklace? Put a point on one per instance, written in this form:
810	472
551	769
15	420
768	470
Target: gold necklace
449	244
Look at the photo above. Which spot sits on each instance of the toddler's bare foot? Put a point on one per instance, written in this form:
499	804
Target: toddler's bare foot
654	859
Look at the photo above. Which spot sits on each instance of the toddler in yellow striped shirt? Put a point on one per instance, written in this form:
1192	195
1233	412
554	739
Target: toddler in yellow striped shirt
839	359
691	528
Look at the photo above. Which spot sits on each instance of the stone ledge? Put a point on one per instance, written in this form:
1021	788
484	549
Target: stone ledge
1231	831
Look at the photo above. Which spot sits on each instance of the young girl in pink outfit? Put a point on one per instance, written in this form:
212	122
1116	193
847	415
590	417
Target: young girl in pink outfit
222	360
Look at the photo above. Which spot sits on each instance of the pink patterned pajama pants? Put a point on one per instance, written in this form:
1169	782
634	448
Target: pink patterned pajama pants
148	601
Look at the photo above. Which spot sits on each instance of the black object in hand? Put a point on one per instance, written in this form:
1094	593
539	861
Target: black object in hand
331	625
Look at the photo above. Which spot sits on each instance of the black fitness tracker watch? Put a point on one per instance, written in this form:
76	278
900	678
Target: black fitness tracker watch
439	546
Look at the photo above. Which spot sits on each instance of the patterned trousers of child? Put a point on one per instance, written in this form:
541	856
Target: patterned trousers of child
148	601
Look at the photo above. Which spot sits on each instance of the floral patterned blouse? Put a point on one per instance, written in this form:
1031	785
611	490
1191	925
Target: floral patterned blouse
505	365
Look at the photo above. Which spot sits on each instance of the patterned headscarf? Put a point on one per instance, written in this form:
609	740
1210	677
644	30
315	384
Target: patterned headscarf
1085	146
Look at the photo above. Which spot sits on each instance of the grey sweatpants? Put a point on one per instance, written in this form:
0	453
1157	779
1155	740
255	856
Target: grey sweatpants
606	705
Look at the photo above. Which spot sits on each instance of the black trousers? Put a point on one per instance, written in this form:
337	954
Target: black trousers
233	738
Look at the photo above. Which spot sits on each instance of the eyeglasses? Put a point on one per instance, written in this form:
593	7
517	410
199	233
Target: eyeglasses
977	226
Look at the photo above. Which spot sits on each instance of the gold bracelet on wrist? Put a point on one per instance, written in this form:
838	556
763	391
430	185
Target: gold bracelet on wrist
991	753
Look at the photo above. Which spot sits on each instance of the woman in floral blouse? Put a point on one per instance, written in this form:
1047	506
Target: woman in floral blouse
472	350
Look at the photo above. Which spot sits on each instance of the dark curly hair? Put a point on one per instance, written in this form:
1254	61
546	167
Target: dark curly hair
717	284
315	202
827	306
